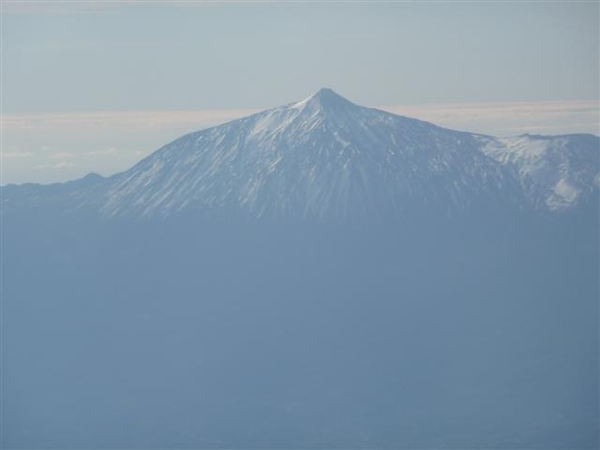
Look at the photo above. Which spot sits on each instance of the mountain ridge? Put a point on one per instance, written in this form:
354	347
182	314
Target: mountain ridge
325	156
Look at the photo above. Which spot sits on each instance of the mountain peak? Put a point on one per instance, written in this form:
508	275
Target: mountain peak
326	99
327	95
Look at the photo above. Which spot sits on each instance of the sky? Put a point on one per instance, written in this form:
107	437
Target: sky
96	86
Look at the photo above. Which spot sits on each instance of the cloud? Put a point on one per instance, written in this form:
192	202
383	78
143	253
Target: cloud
13	155
121	138
108	151
505	118
496	118
143	120
60	165
62	155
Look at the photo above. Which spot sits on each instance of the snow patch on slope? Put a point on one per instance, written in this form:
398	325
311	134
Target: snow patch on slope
556	172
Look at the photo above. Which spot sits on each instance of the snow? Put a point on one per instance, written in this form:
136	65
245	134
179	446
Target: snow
325	156
564	194
555	172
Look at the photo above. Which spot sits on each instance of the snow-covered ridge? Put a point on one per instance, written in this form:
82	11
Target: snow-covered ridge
327	157
556	172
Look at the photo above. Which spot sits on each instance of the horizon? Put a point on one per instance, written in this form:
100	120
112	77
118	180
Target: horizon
78	98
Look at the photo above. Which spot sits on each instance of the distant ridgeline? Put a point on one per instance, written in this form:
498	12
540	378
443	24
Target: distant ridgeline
318	275
326	157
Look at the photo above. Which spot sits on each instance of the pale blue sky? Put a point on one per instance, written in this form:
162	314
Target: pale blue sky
80	58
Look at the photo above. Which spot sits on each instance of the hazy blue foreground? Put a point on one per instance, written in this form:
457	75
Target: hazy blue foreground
476	332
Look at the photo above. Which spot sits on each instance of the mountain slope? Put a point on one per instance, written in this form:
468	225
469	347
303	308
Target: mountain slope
320	157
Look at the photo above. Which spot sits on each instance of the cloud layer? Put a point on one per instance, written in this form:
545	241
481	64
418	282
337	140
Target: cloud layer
57	147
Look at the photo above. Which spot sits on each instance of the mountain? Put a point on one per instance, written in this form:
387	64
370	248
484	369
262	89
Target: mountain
323	156
144	310
327	157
